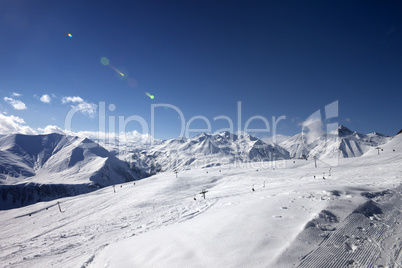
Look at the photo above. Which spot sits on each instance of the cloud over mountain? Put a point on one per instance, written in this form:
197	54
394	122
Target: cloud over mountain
13	124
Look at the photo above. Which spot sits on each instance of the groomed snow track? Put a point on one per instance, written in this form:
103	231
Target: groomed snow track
363	239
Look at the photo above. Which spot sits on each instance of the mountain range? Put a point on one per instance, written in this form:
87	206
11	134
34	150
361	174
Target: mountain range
203	151
44	167
339	143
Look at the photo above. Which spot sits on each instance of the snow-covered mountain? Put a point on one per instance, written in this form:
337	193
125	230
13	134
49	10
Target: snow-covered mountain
293	218
340	143
29	163
204	150
38	167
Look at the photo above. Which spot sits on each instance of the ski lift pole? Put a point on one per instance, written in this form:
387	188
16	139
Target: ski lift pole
203	193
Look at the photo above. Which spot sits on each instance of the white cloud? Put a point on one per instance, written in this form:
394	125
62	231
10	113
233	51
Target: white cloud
313	127
72	99
17	94
13	124
135	136
82	106
17	104
86	108
51	129
17	119
45	98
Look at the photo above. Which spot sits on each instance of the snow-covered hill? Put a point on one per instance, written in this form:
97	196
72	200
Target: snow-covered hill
293	218
204	150
37	167
393	146
340	143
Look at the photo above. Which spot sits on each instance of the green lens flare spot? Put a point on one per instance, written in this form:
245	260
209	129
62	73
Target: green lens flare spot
104	61
150	95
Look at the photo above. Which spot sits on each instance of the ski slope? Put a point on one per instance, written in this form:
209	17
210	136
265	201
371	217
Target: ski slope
348	215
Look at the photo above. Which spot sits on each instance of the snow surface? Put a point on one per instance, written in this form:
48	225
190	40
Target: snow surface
348	215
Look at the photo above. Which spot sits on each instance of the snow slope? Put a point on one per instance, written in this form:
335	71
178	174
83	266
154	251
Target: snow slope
344	216
393	146
70	165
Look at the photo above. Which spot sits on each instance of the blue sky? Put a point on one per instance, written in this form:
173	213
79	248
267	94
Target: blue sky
278	58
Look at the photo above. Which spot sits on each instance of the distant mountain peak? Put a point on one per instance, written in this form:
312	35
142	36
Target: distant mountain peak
344	131
377	134
226	134
86	140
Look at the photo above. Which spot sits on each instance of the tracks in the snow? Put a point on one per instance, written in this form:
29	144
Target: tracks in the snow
368	237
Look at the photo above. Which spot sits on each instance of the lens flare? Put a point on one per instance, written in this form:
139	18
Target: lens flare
132	82
116	70
104	61
150	95
70	35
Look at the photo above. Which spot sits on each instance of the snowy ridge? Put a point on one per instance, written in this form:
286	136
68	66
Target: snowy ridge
204	150
340	143
55	159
